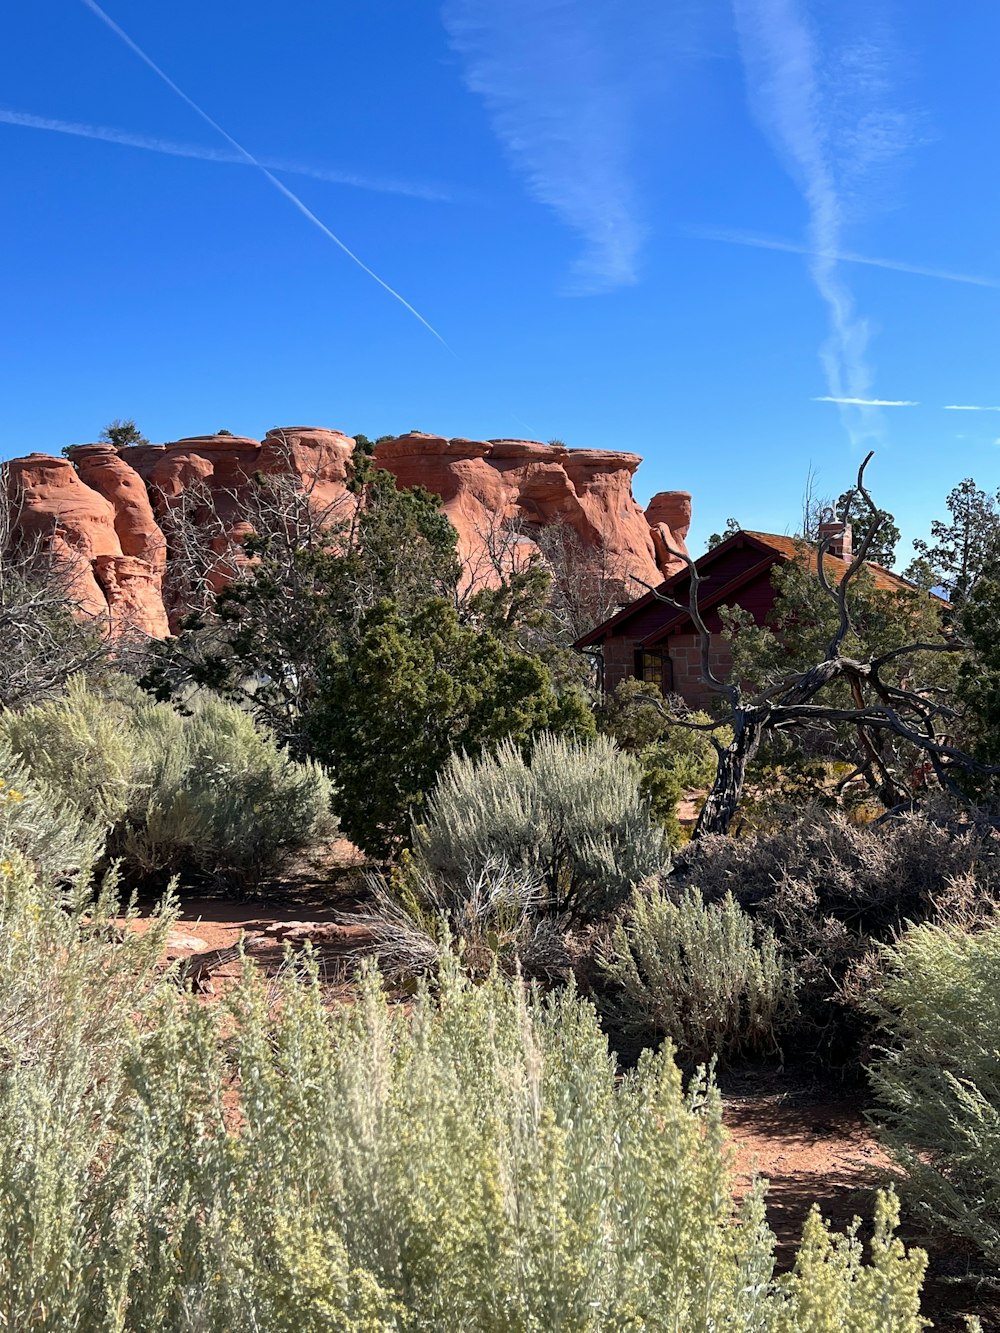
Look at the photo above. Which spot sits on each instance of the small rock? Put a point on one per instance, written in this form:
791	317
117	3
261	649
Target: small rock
177	943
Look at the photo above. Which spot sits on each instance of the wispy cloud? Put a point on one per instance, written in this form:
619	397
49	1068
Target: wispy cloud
969	407
248	157
561	108
867	402
832	132
201	153
735	237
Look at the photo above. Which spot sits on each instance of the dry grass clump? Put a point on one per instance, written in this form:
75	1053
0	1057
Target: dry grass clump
492	919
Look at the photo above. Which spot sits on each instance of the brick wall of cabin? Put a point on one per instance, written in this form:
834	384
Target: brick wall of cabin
685	654
619	661
684	650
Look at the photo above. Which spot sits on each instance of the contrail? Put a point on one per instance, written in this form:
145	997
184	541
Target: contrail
729	237
200	153
867	402
248	157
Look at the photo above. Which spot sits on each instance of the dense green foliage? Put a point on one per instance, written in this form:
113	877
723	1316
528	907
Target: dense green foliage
203	793
406	694
675	759
979	679
804	618
851	508
571	817
167	1166
962	545
698	974
937	1087
121	433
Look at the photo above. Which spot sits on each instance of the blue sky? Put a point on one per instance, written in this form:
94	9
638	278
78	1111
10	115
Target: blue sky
626	226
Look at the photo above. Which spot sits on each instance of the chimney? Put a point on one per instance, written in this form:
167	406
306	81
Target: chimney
837	535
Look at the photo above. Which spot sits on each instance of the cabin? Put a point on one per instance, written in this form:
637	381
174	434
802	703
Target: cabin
650	640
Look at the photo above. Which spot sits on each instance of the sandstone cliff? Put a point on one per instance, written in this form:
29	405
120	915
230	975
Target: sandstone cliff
103	506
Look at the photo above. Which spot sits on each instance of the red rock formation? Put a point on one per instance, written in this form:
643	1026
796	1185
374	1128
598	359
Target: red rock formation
669	517
55	506
521	485
103	469
102	508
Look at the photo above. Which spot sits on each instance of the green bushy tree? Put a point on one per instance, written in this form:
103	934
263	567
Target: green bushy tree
309	579
962	545
406	693
124	432
851	508
979	680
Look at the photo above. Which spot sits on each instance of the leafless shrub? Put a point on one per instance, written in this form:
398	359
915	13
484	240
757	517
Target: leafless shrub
46	632
832	890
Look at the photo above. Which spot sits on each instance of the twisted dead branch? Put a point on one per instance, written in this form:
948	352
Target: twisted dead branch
881	713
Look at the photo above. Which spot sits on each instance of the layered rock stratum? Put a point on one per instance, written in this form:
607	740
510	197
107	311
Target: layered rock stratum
104	507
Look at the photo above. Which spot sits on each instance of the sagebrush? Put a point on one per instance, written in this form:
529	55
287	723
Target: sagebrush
204	793
697	973
269	1163
571	817
937	1085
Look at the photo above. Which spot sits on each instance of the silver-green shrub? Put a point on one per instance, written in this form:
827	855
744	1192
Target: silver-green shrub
204	792
937	1085
53	838
571	817
272	1164
697	973
77	986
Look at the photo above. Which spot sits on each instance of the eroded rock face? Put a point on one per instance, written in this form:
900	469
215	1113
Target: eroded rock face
669	517
504	493
104	508
55	506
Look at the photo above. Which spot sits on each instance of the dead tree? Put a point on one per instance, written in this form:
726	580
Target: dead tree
881	711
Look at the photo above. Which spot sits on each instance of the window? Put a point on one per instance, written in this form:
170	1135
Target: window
655	668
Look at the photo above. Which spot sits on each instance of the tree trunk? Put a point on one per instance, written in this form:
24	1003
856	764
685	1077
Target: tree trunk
727	789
